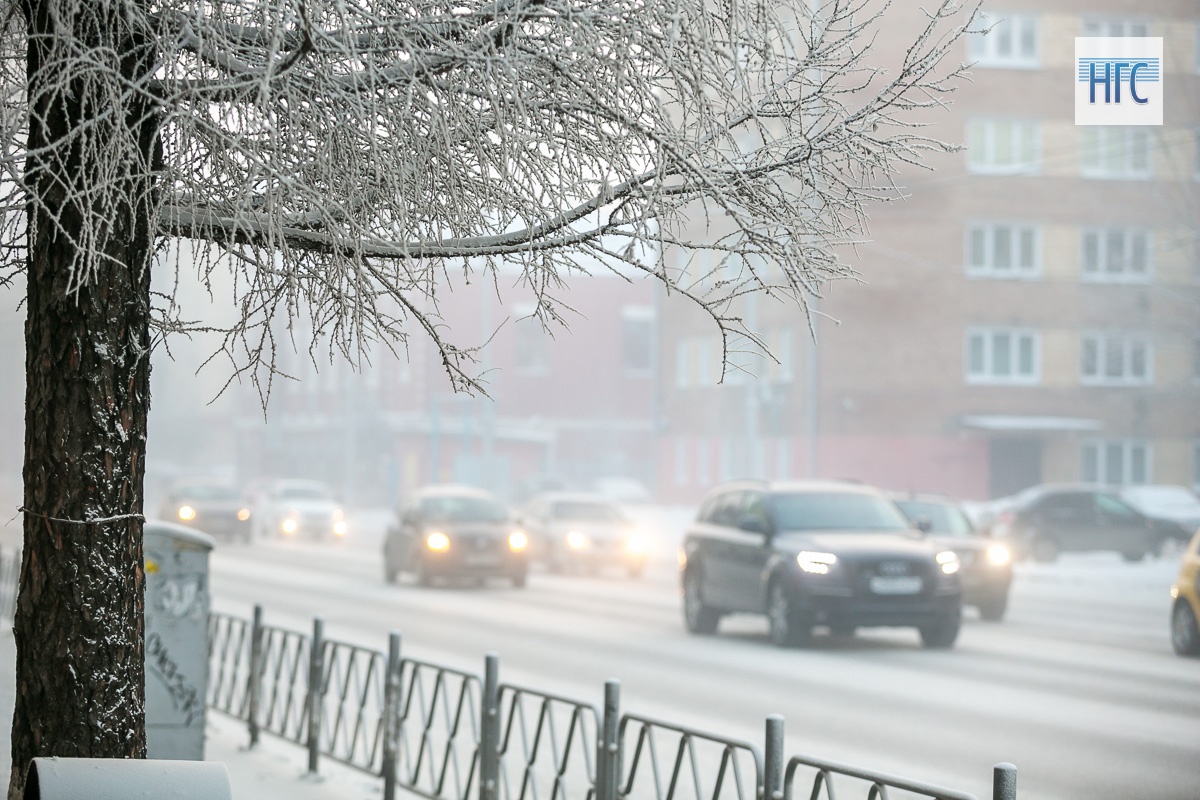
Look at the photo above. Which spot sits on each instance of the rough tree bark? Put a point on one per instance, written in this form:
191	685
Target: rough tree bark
80	692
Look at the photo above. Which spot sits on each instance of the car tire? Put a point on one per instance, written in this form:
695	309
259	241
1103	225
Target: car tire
1185	633
389	573
787	624
992	609
698	617
424	577
1134	556
942	634
519	580
1044	549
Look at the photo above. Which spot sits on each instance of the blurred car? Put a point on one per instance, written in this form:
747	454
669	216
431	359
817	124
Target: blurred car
299	509
1046	520
1185	610
986	572
816	553
580	531
212	506
448	531
1175	508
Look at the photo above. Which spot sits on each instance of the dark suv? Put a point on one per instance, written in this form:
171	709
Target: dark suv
816	553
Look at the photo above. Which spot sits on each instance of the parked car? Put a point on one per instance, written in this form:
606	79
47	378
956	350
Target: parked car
986	572
1046	520
299	509
1185	610
575	531
448	531
816	553
1175	509
213	506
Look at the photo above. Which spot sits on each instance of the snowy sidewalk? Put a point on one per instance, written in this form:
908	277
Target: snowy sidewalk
274	770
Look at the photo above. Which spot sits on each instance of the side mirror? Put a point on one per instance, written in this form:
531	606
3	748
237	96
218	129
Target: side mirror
753	524
923	524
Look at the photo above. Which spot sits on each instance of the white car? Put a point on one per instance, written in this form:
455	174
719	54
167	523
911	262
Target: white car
299	509
1176	506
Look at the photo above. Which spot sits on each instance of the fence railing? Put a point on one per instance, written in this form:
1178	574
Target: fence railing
447	734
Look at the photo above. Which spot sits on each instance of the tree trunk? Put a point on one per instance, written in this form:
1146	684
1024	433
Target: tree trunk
80	689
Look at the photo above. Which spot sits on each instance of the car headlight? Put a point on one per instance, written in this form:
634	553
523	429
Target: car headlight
636	544
243	514
948	561
187	513
576	540
517	541
998	555
814	562
339	528
289	525
437	542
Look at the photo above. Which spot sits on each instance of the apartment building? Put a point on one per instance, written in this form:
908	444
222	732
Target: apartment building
1030	312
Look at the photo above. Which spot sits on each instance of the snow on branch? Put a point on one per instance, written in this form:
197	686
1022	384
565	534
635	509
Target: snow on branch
339	156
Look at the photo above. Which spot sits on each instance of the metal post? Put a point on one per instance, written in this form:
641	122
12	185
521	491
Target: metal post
1004	781
316	691
391	716
608	748
254	689
489	730
772	788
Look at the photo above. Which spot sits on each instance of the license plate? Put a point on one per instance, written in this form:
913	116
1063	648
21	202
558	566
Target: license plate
479	559
896	584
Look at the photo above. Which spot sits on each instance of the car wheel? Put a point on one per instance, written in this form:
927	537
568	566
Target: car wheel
519	579
1044	549
389	573
1133	556
992	609
788	625
1185	635
698	617
943	633
424	578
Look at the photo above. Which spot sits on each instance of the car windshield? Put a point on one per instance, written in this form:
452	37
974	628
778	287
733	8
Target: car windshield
208	492
942	518
835	511
305	493
462	508
585	511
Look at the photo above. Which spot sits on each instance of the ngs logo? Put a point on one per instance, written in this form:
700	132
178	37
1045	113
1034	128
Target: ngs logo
1118	81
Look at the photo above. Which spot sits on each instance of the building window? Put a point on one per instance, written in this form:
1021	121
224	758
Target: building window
1116	462
531	347
1116	255
1012	41
683	365
1003	355
1115	359
1114	151
702	461
1098	26
681	461
996	250
637	339
1002	147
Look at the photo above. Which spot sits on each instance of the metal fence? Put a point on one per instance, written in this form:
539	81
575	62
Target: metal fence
446	734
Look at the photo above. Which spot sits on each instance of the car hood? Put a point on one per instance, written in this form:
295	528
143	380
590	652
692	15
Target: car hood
308	506
864	544
496	530
963	544
209	506
601	531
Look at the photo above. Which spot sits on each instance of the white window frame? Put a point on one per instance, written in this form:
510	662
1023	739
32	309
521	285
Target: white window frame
1103	344
986	142
990	234
1112	152
1100	453
987	375
1108	256
1115	26
1001	46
